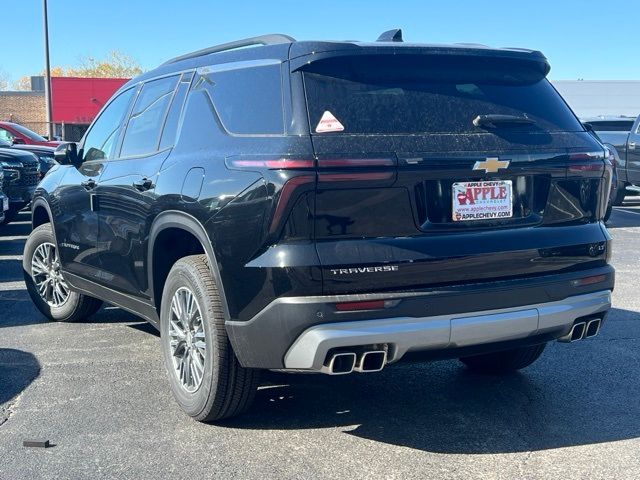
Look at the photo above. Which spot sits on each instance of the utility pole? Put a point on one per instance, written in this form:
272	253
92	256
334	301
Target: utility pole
47	73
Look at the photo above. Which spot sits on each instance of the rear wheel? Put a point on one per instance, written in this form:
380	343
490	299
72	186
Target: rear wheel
505	361
46	286
206	378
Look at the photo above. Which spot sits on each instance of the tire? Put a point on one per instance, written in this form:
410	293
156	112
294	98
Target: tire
76	306
505	361
620	194
216	385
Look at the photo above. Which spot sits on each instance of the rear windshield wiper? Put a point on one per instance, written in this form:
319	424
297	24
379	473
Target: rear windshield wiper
497	121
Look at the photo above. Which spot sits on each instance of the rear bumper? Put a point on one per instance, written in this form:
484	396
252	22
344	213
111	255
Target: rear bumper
401	335
297	332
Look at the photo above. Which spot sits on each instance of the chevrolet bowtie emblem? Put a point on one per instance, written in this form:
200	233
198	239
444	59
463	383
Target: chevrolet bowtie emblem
491	165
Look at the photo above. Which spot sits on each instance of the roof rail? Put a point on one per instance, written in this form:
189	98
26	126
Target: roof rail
270	39
394	35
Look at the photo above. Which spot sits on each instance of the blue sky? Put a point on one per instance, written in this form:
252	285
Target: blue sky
582	39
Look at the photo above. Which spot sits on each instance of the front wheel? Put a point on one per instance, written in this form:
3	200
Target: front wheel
205	376
46	286
505	361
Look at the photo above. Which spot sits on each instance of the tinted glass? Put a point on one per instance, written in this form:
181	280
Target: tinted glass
612	125
6	136
248	100
171	124
417	94
146	120
100	138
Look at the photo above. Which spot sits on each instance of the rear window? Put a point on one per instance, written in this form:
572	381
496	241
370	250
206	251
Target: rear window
423	94
612	125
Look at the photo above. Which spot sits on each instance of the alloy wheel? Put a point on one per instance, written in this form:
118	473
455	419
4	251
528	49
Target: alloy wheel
47	277
187	339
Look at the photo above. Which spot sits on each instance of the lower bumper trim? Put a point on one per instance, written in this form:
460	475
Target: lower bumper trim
406	334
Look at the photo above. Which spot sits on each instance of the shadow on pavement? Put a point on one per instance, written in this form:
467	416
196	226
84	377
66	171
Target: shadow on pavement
441	407
17	370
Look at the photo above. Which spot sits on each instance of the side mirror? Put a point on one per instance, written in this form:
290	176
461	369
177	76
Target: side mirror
18	141
588	127
67	154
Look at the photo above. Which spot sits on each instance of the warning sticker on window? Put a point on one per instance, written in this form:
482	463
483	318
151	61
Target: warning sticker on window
329	123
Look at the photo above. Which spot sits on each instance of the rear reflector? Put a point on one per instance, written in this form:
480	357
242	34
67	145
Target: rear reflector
366	305
271	164
588	280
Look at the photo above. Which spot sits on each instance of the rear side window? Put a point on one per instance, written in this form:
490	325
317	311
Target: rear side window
422	94
147	118
247	100
612	125
171	123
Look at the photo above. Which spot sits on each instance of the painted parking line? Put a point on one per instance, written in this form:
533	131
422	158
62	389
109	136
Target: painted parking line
633	212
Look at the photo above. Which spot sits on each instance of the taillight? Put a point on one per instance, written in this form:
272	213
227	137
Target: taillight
285	196
270	163
355	162
348	169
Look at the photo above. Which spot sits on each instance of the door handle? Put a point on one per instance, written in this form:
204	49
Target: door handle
632	145
143	185
89	184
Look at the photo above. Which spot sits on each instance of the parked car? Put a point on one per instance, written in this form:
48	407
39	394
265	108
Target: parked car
21	176
17	134
4	200
330	207
624	134
44	153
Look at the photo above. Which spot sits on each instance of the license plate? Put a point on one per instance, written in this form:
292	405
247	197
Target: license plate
486	200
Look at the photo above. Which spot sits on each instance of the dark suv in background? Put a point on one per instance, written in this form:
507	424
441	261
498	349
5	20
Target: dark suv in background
21	175
314	206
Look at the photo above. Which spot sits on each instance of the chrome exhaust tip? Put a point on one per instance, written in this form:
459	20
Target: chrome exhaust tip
372	361
576	333
593	328
340	364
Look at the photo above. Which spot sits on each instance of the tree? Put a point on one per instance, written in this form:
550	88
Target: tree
115	65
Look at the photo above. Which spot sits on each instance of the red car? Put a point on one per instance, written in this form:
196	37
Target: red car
20	135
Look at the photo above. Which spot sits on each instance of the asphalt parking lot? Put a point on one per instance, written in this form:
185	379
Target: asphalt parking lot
97	391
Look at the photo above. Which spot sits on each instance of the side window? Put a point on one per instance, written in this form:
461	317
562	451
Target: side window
147	118
247	100
100	139
171	123
6	135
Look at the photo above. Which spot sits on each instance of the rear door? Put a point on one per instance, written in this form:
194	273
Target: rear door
411	193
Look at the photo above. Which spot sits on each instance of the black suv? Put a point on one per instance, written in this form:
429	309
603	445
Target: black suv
313	206
21	175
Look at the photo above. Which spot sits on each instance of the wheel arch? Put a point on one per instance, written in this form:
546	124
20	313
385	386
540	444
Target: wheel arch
177	220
